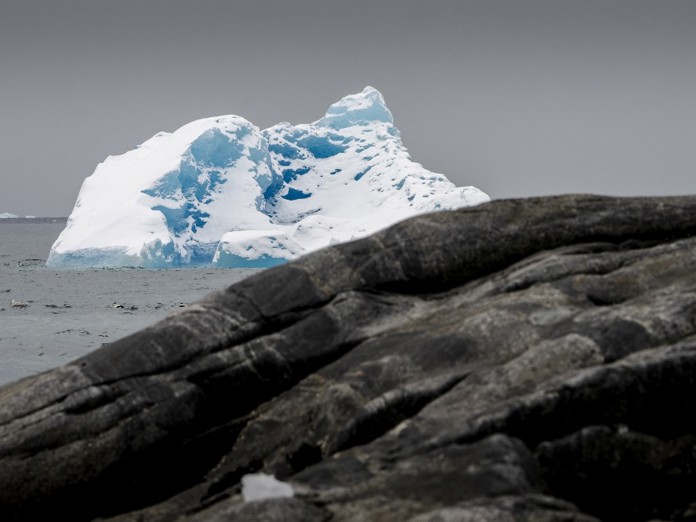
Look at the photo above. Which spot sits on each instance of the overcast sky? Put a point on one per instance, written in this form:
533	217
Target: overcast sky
516	97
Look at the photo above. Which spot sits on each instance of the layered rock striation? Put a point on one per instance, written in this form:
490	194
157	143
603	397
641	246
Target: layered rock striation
520	360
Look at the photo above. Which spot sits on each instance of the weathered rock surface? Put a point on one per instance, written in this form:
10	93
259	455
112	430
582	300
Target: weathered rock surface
521	360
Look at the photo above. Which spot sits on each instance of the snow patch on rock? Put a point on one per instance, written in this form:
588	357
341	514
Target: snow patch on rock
260	486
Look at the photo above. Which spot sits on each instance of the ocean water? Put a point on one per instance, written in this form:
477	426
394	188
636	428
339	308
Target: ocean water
69	313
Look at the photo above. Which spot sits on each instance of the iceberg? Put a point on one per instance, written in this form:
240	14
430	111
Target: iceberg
8	215
221	192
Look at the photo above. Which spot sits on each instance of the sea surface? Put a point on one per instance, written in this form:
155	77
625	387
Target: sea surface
71	312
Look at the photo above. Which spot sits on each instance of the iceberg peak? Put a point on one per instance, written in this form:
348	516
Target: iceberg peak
357	109
219	191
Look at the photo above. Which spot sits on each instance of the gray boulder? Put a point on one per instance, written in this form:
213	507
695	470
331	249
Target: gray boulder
524	360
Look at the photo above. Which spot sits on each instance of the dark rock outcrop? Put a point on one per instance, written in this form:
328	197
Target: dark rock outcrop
521	360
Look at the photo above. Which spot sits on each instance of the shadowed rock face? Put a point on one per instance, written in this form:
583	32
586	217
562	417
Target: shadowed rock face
521	360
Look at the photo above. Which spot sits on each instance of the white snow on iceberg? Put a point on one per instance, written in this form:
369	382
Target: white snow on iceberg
8	215
221	192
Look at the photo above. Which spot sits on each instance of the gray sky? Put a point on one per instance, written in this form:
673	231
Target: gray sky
515	97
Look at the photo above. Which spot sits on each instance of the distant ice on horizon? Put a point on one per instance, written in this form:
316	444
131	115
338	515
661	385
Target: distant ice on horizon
8	215
221	192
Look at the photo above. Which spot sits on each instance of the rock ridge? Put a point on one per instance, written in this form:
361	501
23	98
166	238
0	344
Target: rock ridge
519	360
